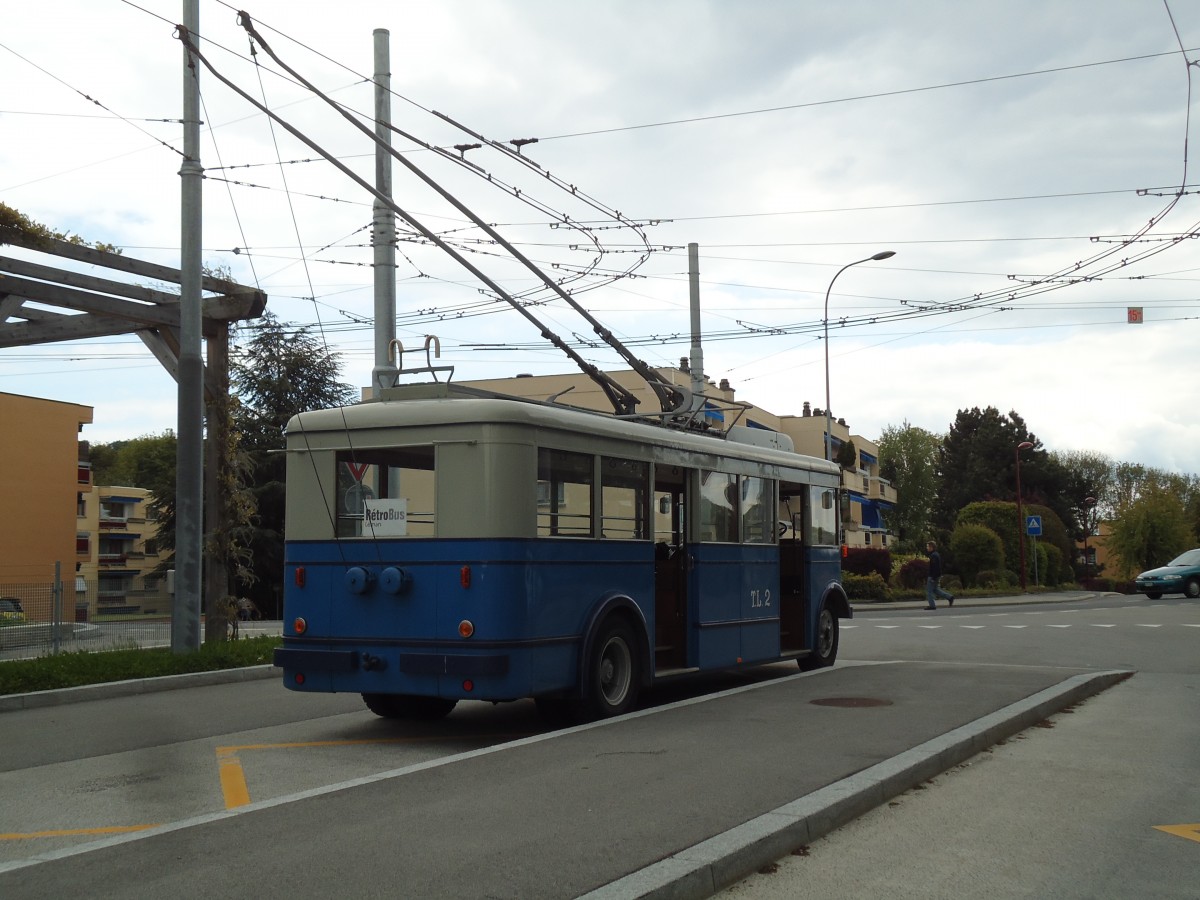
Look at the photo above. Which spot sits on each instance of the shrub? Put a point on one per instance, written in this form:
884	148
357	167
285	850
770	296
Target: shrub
1054	565
71	669
913	574
1104	583
865	560
976	548
865	587
992	578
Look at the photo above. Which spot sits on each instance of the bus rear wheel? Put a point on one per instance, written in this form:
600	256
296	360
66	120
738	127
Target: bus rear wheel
613	673
825	648
409	706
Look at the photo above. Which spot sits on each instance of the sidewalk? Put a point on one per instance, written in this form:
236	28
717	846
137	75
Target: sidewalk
861	607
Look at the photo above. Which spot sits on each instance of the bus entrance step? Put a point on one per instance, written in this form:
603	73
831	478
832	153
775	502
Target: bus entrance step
682	670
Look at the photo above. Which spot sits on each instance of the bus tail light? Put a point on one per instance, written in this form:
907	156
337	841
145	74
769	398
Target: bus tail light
466	628
464	576
300	626
300	576
299	678
468	685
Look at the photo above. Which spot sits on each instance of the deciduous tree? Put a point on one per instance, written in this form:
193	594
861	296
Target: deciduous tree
1150	530
908	459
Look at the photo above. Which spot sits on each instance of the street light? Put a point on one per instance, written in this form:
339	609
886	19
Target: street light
883	254
1024	445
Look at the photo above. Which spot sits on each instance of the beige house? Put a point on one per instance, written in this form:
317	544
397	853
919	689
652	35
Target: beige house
44	480
869	495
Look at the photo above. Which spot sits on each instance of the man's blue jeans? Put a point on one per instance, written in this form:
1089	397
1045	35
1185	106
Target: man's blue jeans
933	589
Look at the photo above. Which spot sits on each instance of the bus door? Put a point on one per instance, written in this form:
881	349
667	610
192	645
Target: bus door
670	569
793	573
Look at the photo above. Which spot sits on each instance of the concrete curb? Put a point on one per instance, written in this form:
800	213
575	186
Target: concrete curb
714	864
964	603
83	693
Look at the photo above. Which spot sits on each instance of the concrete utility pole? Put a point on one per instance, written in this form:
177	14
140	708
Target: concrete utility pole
189	459
696	363
383	221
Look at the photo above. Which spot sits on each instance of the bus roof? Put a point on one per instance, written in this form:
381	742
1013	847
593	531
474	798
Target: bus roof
458	407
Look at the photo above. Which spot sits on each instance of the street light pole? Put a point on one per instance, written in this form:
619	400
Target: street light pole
1089	503
1024	445
883	254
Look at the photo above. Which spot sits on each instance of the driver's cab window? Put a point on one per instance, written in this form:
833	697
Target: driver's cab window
822	518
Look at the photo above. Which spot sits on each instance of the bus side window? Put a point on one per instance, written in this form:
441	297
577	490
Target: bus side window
624	493
564	488
758	501
718	507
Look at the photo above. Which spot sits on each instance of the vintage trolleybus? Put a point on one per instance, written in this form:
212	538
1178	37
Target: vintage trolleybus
446	545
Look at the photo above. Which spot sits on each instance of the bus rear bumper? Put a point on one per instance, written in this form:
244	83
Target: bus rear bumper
459	664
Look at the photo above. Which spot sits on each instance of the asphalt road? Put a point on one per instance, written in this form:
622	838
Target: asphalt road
1103	804
248	790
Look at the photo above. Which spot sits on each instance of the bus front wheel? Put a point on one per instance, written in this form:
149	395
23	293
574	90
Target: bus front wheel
825	648
409	706
612	674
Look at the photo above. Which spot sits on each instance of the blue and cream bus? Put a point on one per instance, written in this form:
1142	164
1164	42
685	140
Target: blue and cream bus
446	545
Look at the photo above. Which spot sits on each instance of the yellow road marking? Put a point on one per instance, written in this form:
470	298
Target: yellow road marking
233	782
1191	832
233	777
74	832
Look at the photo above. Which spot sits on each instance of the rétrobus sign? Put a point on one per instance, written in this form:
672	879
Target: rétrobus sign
386	518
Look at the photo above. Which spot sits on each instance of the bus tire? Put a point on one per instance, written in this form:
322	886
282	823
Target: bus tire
409	706
613	673
825	648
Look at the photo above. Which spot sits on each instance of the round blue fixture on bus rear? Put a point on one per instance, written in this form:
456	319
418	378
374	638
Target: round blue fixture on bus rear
359	580
394	581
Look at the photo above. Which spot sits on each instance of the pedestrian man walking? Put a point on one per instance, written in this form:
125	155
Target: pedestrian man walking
932	588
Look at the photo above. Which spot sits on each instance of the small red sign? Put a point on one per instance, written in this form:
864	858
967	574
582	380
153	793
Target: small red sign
358	470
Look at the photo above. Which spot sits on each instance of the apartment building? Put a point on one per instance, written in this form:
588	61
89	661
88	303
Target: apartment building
44	479
116	545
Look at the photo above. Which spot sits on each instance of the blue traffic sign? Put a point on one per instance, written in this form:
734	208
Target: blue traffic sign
1033	525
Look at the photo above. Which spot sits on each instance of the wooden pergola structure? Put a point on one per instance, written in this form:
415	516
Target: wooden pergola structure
42	303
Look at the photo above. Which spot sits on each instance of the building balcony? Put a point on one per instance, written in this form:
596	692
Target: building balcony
113	559
881	489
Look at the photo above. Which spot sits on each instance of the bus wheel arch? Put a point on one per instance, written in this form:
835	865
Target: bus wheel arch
834	606
615	659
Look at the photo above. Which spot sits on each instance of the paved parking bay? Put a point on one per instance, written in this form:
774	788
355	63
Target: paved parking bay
669	801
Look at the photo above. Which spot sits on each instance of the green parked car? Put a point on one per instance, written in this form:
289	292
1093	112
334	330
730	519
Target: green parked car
1180	576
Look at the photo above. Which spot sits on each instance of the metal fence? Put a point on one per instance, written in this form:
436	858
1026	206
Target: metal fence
69	613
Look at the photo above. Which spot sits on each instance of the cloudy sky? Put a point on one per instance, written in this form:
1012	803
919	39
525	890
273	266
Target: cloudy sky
1027	161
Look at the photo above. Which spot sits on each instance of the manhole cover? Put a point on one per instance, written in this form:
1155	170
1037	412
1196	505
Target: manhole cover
851	702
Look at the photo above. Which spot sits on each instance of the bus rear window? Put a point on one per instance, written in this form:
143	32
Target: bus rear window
386	493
